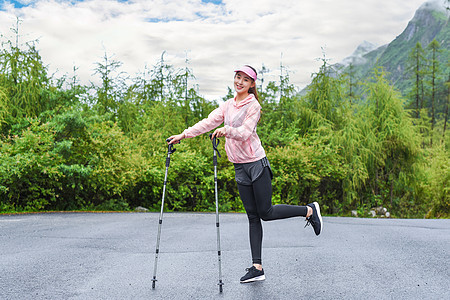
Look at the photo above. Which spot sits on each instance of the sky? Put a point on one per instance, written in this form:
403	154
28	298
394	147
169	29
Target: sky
216	36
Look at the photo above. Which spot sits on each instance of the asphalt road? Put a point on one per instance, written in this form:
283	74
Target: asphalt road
111	256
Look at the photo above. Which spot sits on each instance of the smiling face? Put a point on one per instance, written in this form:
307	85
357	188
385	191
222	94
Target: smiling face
242	83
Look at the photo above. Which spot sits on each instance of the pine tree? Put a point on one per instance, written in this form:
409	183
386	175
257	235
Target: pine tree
447	103
24	81
110	91
417	62
390	145
434	47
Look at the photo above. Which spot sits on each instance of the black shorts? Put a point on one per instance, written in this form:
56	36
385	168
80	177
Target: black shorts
247	173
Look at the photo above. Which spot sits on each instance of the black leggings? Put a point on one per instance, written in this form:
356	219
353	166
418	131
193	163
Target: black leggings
257	200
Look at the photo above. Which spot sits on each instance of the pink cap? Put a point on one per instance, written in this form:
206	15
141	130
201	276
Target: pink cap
247	70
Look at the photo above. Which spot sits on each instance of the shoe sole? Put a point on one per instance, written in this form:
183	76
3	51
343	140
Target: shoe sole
320	216
257	278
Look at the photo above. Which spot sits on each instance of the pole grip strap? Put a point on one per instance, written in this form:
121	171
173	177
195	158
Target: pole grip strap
171	148
215	143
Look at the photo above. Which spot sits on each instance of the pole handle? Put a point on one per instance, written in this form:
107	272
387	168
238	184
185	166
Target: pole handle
215	143
171	149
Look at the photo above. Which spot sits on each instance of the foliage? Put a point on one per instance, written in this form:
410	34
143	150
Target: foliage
29	173
24	85
65	146
438	193
390	138
307	171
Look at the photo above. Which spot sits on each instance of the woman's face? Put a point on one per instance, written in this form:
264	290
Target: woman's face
242	82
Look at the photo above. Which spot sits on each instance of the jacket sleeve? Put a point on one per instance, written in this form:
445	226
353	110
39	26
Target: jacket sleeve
244	131
214	119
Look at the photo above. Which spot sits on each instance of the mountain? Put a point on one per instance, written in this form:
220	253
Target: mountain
429	22
357	57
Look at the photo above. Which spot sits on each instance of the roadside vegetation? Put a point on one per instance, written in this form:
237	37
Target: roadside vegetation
67	146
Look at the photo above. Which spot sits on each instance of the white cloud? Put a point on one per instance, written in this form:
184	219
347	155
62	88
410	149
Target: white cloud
218	38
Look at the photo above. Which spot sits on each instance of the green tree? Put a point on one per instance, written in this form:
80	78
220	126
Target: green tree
279	117
24	83
417	66
110	92
434	48
352	82
390	144
325	100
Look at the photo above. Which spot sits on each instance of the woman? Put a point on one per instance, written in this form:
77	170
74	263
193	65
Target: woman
253	174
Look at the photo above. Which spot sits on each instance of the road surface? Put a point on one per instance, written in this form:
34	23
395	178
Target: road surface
111	256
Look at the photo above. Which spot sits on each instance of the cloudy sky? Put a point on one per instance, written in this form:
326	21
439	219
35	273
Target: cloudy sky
215	35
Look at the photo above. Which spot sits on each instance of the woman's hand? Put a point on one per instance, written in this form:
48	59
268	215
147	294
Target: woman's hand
219	132
175	139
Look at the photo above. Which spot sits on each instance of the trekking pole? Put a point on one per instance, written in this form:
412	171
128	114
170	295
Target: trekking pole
171	149
215	143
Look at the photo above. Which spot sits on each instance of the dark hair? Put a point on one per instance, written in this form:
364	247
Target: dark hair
253	90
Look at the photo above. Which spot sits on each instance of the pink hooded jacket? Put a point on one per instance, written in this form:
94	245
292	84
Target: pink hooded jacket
242	144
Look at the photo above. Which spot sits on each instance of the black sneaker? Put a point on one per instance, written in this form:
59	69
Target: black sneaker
253	274
315	219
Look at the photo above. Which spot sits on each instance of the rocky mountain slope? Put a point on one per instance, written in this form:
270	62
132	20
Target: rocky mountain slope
429	22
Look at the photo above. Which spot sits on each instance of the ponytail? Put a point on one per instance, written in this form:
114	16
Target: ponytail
253	90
